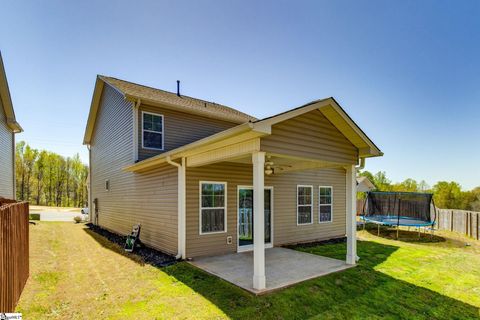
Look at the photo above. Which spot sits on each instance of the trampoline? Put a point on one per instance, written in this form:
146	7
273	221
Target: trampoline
407	209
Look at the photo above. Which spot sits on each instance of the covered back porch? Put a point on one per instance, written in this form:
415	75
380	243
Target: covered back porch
315	136
264	268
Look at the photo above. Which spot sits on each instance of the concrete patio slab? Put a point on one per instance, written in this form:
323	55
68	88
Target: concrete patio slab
283	268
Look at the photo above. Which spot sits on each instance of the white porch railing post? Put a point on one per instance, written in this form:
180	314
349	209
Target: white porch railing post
258	160
351	214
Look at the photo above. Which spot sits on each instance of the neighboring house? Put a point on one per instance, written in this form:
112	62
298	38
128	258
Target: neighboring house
188	170
364	184
8	127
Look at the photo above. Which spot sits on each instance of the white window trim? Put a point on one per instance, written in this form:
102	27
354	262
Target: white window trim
162	132
325	205
311	204
200	207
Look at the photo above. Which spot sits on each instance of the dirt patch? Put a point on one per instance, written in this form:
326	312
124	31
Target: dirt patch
148	255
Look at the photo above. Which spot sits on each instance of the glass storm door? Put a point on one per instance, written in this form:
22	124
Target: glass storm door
245	217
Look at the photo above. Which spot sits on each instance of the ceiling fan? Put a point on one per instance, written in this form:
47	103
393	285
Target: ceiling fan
270	166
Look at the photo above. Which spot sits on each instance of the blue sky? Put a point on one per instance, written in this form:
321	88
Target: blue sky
408	72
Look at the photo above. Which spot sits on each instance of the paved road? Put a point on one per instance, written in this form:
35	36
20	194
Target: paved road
59	216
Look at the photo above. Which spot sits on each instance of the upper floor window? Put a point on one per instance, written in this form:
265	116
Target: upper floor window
152	131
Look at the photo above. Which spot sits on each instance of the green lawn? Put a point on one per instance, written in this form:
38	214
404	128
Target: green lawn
76	274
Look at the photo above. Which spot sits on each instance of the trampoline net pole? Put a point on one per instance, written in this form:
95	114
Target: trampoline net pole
398	215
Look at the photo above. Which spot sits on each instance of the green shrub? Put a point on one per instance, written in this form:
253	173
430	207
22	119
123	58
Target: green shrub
34	216
77	219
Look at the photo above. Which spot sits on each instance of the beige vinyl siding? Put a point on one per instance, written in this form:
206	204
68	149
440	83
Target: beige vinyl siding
180	128
310	135
285	229
212	244
149	199
6	158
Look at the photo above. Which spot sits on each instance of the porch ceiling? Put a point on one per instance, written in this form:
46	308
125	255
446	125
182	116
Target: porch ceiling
284	163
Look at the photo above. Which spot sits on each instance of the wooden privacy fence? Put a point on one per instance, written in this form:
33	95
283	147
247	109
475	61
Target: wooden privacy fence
360	204
13	252
461	221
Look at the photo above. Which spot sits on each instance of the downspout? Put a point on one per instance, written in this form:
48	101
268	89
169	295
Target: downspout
357	168
136	106
14	176
16	129
89	186
181	207
362	164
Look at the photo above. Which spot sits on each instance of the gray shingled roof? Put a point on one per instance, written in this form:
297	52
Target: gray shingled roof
184	102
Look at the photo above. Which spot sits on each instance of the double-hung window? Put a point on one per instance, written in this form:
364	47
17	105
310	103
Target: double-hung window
304	204
152	131
325	204
213	213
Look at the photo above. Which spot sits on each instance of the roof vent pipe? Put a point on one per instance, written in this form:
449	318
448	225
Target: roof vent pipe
178	88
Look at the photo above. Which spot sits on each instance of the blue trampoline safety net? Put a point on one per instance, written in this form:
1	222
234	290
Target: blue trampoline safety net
399	209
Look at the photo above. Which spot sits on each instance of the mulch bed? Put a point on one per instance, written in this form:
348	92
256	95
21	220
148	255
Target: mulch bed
318	243
151	256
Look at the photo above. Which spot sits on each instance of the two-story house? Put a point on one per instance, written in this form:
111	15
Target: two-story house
195	173
8	127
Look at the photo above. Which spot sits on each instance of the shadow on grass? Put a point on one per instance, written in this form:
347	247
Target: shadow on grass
115	243
404	235
360	292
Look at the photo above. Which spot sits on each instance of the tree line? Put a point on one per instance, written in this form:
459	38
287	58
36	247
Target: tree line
47	178
446	194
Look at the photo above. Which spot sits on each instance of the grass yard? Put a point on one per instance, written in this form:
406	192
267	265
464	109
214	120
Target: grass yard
77	274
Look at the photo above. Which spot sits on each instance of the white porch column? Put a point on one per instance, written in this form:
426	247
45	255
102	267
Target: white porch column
351	214
258	160
181	214
181	209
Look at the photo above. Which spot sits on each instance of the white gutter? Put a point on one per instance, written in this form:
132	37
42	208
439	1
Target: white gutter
362	164
181	207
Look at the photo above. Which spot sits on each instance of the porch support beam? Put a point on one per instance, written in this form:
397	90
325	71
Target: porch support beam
258	160
351	214
243	148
